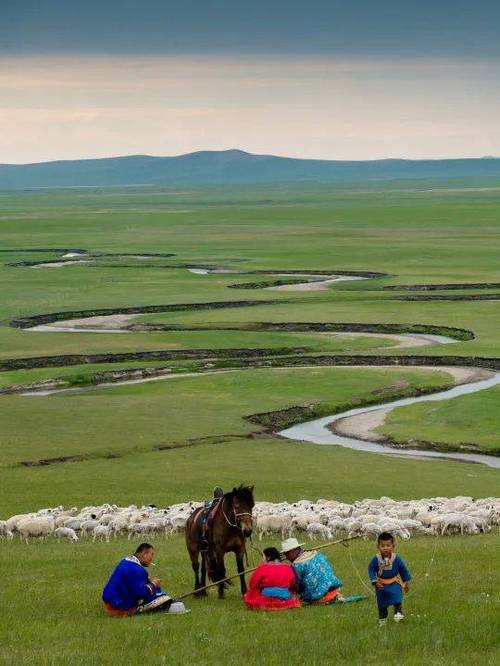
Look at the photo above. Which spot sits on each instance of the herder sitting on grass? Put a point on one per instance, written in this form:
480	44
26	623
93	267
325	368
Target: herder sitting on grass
316	581
130	590
272	585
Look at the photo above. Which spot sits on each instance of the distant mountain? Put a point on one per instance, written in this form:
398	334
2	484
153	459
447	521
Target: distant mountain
233	166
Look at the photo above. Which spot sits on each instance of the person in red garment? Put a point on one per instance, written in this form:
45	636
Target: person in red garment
272	585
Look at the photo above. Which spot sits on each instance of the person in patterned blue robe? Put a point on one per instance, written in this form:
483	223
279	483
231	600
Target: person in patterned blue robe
390	576
316	580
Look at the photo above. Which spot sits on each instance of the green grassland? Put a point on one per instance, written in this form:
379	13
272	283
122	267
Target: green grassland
412	235
208	405
172	440
64	623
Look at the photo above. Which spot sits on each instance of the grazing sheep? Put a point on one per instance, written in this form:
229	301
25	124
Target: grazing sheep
65	533
315	530
280	524
35	527
5	533
102	532
88	526
366	518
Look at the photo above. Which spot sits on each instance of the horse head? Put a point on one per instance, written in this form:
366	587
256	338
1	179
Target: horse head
243	503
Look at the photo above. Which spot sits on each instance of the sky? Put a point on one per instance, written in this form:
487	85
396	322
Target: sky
350	79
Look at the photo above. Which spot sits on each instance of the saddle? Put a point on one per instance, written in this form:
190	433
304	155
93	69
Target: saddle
205	520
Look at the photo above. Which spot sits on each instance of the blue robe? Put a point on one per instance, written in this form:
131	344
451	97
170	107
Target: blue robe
129	586
315	576
393	593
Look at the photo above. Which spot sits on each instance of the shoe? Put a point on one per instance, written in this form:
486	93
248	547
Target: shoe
382	622
398	617
162	601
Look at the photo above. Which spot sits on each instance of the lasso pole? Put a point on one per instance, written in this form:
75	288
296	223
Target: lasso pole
247	571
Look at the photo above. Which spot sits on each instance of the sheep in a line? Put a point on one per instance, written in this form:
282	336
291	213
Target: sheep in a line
323	519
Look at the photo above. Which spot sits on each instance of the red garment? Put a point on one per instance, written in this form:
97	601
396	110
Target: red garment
116	611
271	574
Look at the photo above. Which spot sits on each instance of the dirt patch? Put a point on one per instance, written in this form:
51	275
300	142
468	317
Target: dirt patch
454	297
363	426
443	287
60	264
235	354
65	459
299	271
443	447
34	320
398	386
321	360
352	329
198	441
46	385
292	284
56	250
401	341
281	418
105	323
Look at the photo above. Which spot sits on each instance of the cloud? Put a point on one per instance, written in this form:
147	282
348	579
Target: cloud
330	27
56	107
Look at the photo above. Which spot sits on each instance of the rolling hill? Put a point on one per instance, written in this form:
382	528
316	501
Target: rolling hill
233	166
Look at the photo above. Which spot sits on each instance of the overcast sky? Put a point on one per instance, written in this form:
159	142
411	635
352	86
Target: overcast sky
335	80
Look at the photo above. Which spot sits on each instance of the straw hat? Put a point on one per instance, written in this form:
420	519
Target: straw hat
290	544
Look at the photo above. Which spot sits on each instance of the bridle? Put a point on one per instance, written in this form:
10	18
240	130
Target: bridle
236	514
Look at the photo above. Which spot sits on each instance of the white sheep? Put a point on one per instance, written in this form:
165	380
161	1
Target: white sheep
281	524
35	527
318	530
102	532
65	533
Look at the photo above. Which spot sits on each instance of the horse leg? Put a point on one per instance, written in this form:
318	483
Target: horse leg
196	569
203	580
220	572
241	568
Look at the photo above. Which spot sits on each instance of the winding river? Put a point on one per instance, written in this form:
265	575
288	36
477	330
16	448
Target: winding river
317	431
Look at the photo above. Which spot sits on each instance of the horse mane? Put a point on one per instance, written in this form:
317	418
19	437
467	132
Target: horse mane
243	493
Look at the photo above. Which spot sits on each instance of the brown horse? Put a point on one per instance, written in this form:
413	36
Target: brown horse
231	525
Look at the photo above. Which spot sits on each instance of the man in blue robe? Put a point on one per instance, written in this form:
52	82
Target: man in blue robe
130	590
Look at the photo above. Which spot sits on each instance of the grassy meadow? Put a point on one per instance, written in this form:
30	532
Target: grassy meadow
61	620
174	439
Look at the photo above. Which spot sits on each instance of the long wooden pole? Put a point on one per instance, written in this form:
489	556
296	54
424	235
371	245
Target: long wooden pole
247	571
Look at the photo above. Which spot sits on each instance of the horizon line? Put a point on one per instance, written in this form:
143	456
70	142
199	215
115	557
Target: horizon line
246	152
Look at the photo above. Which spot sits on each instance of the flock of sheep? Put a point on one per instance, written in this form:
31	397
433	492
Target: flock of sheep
322	519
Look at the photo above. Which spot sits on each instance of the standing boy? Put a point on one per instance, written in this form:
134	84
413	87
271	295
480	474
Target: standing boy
389	575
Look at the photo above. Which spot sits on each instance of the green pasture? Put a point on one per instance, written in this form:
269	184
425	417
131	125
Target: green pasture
410	234
51	597
174	439
124	419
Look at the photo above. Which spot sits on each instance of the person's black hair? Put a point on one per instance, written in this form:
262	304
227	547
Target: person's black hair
142	547
271	553
385	536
